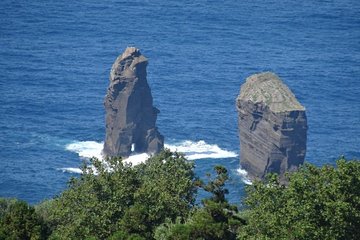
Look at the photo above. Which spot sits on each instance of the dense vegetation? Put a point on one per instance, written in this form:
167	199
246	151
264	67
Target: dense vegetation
156	200
318	203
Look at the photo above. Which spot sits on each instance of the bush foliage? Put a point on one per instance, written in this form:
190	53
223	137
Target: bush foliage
318	203
156	200
114	198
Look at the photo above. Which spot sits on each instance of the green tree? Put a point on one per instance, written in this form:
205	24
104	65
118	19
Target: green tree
167	191
217	219
318	203
18	220
113	199
94	202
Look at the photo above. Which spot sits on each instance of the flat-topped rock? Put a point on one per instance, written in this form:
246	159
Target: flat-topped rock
130	114
272	126
270	90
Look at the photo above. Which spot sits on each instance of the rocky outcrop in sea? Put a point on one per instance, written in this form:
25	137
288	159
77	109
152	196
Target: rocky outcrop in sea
272	127
130	114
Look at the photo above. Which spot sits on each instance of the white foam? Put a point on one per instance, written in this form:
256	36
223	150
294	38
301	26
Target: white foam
200	150
244	176
86	149
192	151
71	170
137	158
89	149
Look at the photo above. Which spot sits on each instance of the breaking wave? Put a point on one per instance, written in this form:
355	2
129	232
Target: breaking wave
89	149
244	176
86	149
71	170
192	151
200	150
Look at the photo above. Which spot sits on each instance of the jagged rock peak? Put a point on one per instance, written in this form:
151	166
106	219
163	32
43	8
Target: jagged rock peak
130	51
268	88
130	115
125	64
272	127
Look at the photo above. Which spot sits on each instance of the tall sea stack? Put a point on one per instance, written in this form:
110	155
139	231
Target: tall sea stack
130	114
272	127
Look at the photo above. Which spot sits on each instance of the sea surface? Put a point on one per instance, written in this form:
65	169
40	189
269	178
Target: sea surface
55	59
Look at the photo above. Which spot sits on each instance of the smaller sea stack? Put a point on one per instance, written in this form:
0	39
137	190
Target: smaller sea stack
130	114
272	127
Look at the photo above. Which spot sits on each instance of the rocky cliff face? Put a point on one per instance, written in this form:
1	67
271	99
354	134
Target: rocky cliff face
272	126
130	115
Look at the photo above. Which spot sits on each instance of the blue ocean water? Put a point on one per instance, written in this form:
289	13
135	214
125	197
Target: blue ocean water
55	58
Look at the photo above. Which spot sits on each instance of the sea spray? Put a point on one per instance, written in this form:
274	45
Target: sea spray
192	150
70	170
86	149
244	176
200	150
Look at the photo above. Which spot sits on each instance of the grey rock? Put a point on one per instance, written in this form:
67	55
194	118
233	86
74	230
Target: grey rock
272	127
130	114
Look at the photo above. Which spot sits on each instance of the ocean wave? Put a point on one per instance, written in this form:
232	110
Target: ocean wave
71	170
137	158
192	150
200	150
89	149
244	176
86	149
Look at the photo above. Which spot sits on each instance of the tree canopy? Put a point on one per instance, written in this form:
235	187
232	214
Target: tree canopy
18	220
156	200
114	197
215	220
317	203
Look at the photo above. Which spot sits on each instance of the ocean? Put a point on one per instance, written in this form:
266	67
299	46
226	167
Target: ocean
55	59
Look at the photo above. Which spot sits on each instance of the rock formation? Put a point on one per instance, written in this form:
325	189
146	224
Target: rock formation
272	127
130	115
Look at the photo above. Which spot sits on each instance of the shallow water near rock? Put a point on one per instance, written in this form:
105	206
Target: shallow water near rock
55	59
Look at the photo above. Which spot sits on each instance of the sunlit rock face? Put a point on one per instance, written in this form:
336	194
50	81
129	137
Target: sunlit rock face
130	114
272	126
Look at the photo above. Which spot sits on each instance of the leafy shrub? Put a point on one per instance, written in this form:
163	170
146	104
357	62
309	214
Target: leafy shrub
18	220
115	197
318	203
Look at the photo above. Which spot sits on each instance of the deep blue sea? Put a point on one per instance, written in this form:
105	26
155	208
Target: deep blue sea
55	59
